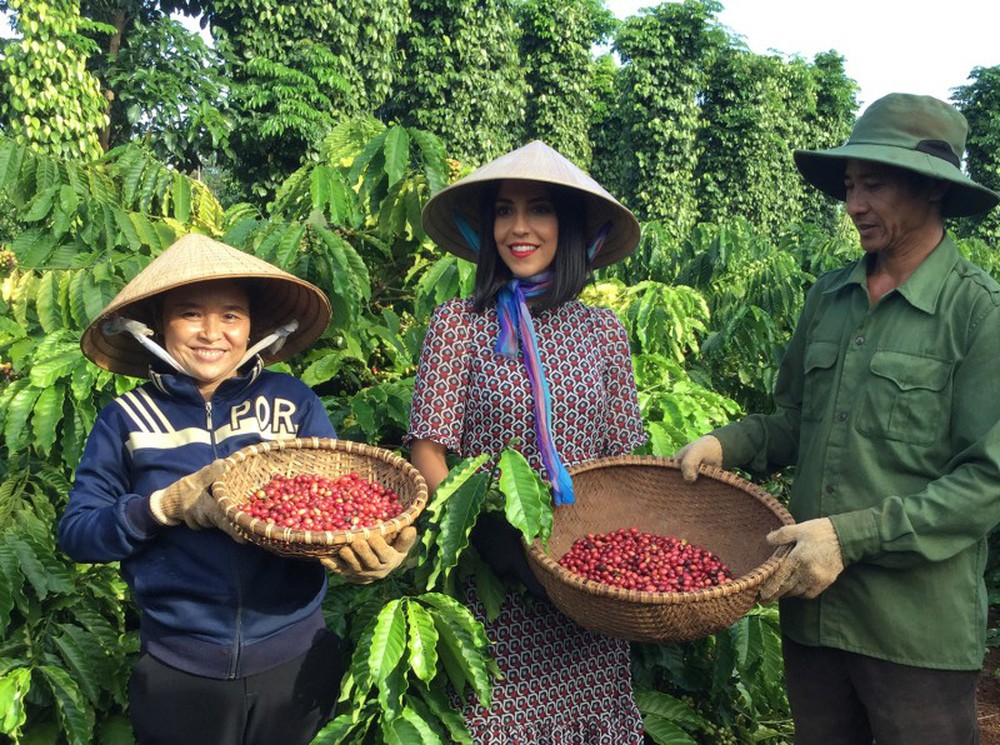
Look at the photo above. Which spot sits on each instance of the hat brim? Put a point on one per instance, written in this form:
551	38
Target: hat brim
533	162
824	169
276	297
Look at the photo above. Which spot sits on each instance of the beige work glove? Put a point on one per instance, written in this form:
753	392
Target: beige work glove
365	561
189	500
810	567
707	450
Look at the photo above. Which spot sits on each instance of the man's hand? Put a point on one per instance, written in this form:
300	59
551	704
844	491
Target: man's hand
811	566
190	501
366	561
707	450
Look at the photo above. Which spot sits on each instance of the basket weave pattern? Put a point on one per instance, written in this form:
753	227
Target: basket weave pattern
720	511
249	469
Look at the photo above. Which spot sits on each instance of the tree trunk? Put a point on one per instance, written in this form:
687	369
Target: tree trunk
114	44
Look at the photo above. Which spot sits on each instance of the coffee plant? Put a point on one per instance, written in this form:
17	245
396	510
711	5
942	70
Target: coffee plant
312	136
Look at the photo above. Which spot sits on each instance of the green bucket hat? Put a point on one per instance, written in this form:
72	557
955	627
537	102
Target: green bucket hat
917	133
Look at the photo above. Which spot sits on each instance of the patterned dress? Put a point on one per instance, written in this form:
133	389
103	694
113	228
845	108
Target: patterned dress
562	684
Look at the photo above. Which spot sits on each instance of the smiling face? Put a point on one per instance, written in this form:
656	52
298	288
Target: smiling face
206	329
892	212
525	227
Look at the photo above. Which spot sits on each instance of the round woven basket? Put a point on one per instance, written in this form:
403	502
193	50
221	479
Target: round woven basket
721	512
252	467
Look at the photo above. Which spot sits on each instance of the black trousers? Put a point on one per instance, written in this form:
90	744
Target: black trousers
842	698
285	705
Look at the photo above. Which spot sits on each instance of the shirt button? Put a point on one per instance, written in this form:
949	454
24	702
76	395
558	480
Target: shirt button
841	416
859	340
830	489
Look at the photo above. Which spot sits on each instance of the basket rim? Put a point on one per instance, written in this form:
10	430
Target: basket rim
318	538
737	585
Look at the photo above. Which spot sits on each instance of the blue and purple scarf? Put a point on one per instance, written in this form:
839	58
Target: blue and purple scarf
518	332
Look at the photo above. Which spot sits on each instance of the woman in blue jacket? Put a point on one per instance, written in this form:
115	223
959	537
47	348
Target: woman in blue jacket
234	648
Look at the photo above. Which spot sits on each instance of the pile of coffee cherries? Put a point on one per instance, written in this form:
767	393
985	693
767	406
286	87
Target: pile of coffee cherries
313	502
633	560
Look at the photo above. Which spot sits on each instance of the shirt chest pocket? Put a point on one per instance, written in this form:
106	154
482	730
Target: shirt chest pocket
819	362
907	398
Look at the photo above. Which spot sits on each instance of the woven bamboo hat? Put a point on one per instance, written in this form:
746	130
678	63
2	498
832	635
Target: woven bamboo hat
916	133
277	298
461	202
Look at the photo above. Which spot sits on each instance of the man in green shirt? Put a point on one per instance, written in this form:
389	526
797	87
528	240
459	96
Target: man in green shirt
887	404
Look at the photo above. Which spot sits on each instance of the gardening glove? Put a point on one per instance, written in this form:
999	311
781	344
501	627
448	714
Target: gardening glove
189	500
365	561
707	450
812	565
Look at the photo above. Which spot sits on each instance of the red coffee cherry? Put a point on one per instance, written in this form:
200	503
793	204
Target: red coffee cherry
312	502
633	560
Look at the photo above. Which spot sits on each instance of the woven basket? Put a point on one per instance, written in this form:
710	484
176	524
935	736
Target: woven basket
720	512
252	467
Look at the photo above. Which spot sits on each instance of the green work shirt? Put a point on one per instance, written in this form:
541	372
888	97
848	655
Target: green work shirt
890	414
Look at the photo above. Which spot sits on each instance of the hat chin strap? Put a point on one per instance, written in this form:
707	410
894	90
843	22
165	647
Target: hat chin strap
143	334
272	342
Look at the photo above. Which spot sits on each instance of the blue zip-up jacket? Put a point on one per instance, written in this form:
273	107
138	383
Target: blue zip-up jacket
210	606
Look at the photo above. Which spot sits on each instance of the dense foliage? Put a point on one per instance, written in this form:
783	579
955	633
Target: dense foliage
311	135
463	79
556	50
47	96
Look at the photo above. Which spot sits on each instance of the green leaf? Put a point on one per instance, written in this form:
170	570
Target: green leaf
411	729
397	153
353	724
374	146
84	658
388	645
17	433
665	732
453	510
658	704
76	716
145	230
181	195
459	615
40	206
360	678
324	368
47	303
528	499
31	565
14	687
289	246
490	589
33	247
50	369
11	578
466	657
46	417
433	152
438	703
423	639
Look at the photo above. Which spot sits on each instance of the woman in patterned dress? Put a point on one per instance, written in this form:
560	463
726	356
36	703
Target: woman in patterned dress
524	364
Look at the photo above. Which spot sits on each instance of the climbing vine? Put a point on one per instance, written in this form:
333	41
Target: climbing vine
48	99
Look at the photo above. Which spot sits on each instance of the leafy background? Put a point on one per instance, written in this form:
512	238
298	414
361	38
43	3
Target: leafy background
311	134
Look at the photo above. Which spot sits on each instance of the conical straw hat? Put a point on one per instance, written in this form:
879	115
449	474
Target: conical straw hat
276	296
535	161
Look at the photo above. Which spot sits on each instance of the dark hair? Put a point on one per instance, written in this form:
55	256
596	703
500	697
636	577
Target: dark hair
569	265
